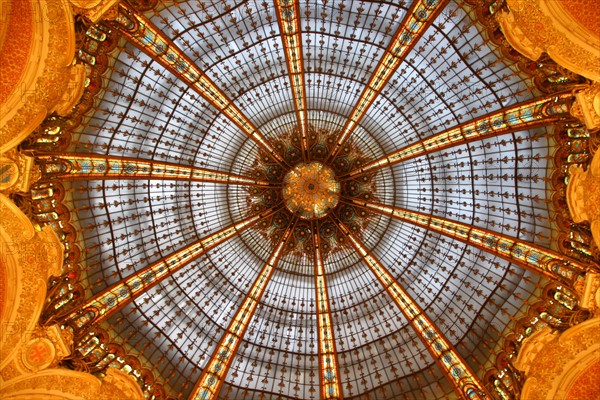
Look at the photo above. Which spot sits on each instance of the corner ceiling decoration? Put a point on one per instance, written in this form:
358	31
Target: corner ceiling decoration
307	199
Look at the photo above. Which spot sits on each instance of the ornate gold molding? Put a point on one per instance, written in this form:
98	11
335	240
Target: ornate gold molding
561	361
587	106
29	257
583	195
93	9
48	81
117	384
536	26
60	383
531	347
589	292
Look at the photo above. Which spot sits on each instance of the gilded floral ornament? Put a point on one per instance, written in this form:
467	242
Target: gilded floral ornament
38	354
17	172
42	31
587	106
583	195
558	361
537	26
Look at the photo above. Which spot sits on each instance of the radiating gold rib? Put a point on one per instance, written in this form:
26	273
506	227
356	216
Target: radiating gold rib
328	363
288	16
418	18
538	112
115	297
457	370
539	260
211	380
96	166
141	32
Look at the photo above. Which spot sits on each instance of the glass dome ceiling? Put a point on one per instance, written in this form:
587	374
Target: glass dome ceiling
283	78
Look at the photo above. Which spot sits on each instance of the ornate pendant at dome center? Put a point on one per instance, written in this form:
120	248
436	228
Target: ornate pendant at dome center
310	190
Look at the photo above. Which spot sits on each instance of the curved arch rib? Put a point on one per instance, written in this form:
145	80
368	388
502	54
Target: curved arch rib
115	297
288	16
538	112
211	380
142	33
96	166
418	18
457	371
329	367
540	261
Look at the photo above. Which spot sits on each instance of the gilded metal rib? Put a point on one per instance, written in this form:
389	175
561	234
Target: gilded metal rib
457	370
115	297
537	259
328	363
141	32
288	16
418	18
526	115
95	166
211	380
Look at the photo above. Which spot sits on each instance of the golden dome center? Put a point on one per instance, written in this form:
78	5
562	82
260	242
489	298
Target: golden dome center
310	190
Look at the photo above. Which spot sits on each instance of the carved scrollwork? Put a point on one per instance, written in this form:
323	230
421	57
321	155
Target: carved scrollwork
587	106
38	87
538	26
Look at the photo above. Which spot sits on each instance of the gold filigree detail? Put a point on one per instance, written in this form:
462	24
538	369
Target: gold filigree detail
536	26
310	190
587	106
560	361
17	172
43	89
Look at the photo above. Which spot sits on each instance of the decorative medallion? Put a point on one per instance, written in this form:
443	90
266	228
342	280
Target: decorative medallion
311	189
9	173
38	354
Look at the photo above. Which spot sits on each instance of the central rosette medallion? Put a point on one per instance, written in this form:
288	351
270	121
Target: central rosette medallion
310	190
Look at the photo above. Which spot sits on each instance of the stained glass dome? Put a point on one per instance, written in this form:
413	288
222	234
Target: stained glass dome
378	267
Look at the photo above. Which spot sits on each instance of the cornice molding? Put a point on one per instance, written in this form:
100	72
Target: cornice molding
42	88
538	26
